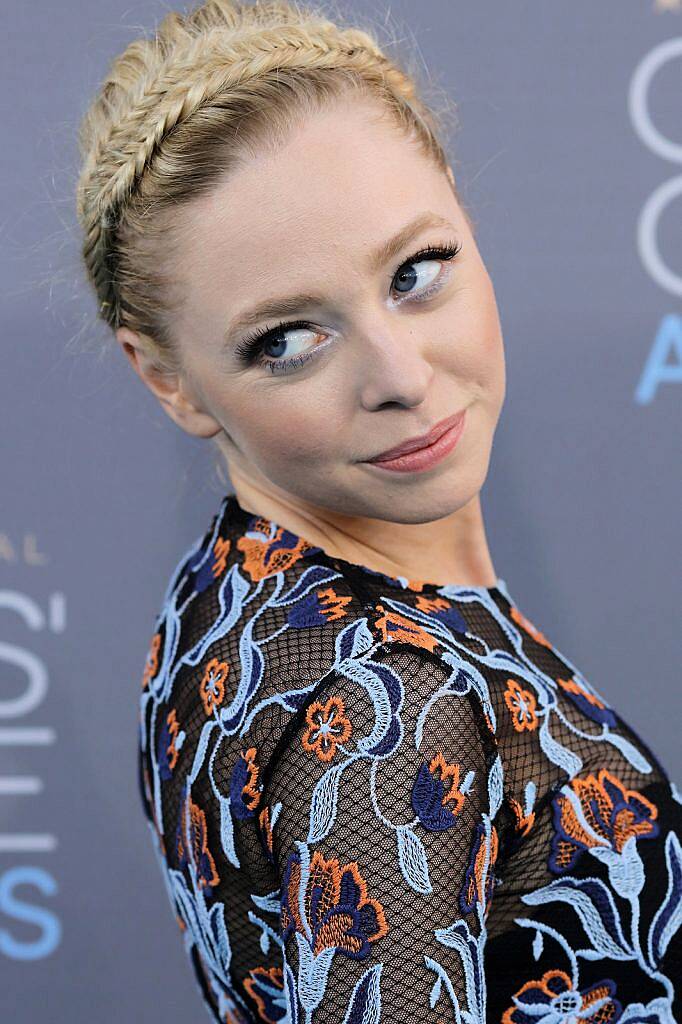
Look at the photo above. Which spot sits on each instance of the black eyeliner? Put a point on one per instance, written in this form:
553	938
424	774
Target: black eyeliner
248	349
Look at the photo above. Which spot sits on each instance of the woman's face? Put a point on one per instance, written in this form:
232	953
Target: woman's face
383	347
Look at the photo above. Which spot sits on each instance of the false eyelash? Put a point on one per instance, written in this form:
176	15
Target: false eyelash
249	348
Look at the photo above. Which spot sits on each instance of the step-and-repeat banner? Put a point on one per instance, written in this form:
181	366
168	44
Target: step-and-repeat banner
569	153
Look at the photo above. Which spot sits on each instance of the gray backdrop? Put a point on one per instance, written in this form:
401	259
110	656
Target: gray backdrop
570	153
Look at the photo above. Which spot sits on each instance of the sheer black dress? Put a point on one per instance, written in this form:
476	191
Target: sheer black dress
378	800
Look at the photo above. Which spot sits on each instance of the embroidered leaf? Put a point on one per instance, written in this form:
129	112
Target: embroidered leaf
628	750
495	785
354	640
470	948
560	755
594	905
442	978
412	860
655	1012
227	831
669	915
435	992
313	972
323	804
365	1004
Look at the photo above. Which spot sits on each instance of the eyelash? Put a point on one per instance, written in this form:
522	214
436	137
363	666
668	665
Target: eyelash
248	350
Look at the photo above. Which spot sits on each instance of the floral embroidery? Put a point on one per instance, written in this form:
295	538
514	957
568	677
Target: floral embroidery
327	727
245	791
442	610
429	796
598	811
212	686
288	851
198	837
265	831
340	915
265	555
221	550
522	705
318	608
553	1000
479	882
524	822
399	627
589	703
209	562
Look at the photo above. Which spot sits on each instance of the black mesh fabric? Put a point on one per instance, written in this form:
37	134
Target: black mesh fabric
380	800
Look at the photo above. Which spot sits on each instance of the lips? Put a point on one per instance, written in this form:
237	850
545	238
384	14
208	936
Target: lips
415	443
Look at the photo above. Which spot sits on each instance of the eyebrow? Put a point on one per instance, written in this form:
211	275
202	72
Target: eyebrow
286	305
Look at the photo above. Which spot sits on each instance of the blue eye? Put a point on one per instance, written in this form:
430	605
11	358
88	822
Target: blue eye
251	350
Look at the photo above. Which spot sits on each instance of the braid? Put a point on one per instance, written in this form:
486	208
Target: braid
220	55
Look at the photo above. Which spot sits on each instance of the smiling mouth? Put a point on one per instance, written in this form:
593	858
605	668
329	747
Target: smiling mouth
416	444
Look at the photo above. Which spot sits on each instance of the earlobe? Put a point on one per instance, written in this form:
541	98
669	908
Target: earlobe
167	386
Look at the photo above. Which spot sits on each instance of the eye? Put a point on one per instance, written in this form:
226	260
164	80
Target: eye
255	346
428	279
429	261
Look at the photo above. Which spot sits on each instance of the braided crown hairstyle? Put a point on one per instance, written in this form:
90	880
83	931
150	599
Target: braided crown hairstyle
176	112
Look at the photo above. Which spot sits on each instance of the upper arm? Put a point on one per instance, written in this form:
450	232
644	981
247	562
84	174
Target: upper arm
382	803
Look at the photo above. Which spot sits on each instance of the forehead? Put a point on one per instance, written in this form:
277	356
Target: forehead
342	181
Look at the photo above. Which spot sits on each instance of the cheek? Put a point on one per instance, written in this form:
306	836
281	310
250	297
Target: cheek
476	350
289	429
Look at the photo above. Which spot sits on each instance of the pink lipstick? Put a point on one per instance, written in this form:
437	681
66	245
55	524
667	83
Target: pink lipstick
420	459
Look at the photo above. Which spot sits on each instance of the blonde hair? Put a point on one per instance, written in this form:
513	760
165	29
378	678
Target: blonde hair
177	112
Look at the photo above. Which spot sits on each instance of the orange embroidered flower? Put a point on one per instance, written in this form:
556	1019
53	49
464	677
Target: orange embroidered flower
250	790
399	627
561	1003
612	814
522	704
526	624
327	727
265	555
212	686
339	913
430	796
151	666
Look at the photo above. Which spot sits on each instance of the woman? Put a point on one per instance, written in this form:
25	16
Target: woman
376	790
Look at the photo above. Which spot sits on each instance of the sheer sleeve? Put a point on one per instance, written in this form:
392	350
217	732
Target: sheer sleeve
382	795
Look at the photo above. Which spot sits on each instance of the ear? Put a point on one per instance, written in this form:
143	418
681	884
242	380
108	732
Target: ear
448	171
170	387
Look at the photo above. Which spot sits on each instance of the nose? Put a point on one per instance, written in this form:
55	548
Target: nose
392	363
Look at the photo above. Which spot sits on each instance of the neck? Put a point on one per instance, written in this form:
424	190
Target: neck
450	550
